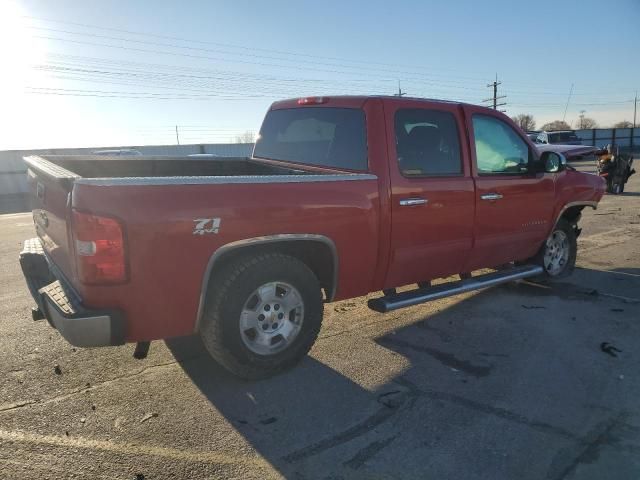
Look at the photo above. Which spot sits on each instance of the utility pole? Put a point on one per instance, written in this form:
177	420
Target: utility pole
635	108
177	136
495	97
400	92
567	105
581	124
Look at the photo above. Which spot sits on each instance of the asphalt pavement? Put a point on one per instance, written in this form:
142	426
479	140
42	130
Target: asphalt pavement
517	381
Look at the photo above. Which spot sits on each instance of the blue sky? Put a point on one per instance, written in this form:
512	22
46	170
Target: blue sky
125	73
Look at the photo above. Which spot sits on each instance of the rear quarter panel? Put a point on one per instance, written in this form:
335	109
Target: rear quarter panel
167	261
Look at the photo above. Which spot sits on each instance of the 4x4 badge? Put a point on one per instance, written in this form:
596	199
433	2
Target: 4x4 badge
206	225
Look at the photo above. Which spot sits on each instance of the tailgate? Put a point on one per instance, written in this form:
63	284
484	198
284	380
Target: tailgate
50	189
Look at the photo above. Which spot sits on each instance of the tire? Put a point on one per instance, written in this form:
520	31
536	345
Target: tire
617	189
562	247
262	315
609	186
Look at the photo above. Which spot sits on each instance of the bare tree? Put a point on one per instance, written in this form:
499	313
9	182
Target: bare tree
246	137
586	122
556	125
623	124
525	121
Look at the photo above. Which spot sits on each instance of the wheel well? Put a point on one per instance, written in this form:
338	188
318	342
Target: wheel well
572	214
317	255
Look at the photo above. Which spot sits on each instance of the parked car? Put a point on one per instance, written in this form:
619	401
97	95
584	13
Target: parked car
342	196
562	137
533	135
570	152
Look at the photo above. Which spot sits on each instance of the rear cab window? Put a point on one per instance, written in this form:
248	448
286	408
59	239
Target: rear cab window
319	136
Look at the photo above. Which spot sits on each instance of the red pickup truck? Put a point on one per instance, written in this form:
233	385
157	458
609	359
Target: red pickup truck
342	196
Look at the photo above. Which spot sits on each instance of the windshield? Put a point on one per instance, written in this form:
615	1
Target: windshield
560	137
324	136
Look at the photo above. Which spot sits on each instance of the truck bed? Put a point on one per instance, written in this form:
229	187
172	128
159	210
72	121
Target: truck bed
96	166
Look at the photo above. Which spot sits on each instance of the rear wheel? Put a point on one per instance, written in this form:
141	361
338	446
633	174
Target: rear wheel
557	256
263	314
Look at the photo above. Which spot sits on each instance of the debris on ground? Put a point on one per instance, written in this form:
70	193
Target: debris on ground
345	307
57	369
617	309
609	349
148	416
533	307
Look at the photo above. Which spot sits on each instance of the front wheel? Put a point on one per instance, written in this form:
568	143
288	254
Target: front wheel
557	256
263	314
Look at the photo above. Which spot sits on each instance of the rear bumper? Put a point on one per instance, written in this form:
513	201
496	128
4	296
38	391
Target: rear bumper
61	305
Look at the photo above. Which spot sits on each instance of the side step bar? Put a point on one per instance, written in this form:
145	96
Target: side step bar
422	295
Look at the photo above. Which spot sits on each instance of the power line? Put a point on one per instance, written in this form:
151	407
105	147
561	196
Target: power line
138	33
235	54
228	45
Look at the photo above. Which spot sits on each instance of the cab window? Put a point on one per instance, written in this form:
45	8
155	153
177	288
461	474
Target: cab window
499	149
427	143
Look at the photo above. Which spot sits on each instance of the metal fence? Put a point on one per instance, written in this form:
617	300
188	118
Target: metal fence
627	139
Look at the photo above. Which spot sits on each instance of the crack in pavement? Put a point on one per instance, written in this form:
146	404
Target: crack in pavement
12	406
598	437
369	452
64	396
502	413
378	418
445	358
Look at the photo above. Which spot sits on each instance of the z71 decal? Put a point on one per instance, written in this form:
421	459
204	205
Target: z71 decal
206	225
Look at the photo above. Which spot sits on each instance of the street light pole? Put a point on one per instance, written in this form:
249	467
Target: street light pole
635	108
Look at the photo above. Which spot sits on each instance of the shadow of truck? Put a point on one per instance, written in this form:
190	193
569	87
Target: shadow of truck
507	383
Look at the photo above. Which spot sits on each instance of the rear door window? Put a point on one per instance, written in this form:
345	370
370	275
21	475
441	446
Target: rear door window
427	143
323	136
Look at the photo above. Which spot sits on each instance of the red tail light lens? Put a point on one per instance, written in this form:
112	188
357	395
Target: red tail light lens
100	249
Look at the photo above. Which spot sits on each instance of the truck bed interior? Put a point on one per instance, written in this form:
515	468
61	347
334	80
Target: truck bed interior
93	166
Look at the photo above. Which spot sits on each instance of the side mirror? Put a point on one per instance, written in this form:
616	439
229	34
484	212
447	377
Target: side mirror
553	162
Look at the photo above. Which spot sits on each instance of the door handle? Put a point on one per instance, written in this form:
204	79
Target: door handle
491	196
408	202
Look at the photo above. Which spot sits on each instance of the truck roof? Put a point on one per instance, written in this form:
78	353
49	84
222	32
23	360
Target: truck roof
352	100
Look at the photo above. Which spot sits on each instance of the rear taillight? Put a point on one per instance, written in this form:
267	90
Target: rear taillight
100	249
